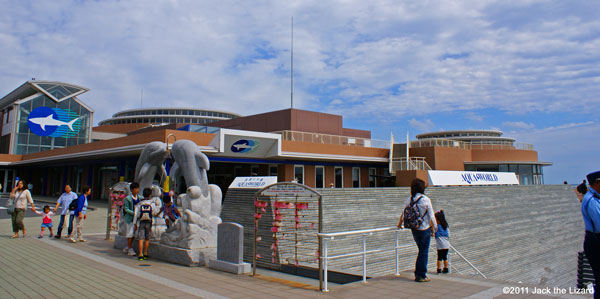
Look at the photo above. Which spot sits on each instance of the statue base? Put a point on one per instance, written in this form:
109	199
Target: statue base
230	267
170	254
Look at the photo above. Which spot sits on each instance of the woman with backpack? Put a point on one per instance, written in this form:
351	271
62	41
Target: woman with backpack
418	215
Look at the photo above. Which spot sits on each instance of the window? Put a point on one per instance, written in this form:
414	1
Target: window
355	177
372	177
254	170
319	177
299	173
339	177
273	170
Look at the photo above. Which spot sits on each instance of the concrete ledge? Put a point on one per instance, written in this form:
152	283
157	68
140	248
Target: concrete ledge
175	255
229	267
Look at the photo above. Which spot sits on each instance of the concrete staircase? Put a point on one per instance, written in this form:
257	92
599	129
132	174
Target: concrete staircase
514	233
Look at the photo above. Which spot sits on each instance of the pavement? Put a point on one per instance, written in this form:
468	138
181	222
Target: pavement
50	268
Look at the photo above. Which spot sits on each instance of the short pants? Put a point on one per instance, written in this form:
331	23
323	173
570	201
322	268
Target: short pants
144	230
129	230
442	255
47	225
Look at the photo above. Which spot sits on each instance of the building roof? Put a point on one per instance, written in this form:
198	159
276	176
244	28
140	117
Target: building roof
48	88
461	133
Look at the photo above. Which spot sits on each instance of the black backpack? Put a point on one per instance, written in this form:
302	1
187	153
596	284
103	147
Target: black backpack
412	215
73	204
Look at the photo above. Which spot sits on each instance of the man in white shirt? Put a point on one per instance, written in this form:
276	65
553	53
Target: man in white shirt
65	200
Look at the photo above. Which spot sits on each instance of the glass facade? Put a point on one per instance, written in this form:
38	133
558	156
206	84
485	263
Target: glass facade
32	140
528	174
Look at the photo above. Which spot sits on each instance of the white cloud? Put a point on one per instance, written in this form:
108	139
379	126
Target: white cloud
394	58
571	147
521	125
420	124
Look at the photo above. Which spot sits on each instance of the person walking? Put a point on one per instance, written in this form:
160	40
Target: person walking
80	214
21	197
418	215
65	200
590	209
46	220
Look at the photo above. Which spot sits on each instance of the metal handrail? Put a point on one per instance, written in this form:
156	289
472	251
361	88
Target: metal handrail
468	262
324	257
332	139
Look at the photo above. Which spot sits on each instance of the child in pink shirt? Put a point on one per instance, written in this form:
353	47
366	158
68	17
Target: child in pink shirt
46	221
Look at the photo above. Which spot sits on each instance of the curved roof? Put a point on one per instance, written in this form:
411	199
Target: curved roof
461	133
471	136
171	108
146	114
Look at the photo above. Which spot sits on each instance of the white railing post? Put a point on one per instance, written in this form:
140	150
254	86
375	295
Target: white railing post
364	246
397	245
325	265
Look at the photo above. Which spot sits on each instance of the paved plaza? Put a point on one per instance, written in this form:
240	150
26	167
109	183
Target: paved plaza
50	268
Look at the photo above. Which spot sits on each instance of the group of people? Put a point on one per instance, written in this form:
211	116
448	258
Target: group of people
73	205
138	216
417	216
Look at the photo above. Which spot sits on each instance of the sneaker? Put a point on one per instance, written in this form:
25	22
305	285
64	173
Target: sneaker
40	236
81	240
145	256
57	237
439	271
445	270
72	241
421	279
126	249
131	252
51	235
141	258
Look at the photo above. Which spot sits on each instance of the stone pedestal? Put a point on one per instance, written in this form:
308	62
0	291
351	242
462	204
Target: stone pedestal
175	255
230	249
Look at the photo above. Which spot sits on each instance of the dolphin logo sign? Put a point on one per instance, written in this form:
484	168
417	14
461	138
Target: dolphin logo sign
53	122
50	121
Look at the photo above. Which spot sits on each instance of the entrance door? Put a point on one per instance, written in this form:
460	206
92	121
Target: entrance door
7	179
108	179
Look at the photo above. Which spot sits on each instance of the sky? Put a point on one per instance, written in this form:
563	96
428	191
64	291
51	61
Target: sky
528	68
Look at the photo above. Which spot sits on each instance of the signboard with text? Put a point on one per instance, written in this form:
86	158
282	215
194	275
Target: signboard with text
468	178
252	182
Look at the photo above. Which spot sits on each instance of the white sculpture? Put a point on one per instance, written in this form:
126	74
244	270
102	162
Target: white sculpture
200	206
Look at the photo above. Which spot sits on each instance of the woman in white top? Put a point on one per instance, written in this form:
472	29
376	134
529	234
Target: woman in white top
21	197
422	234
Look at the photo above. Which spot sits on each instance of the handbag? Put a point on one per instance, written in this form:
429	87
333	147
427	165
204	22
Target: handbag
10	204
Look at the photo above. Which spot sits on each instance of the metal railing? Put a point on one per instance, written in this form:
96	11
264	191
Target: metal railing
332	139
414	163
324	257
492	145
468	262
365	233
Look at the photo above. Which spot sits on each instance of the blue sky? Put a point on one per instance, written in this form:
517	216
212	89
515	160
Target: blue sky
529	68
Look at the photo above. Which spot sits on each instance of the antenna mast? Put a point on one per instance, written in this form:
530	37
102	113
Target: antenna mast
292	67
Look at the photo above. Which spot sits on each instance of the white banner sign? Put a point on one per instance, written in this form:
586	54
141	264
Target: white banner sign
466	178
252	182
287	190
